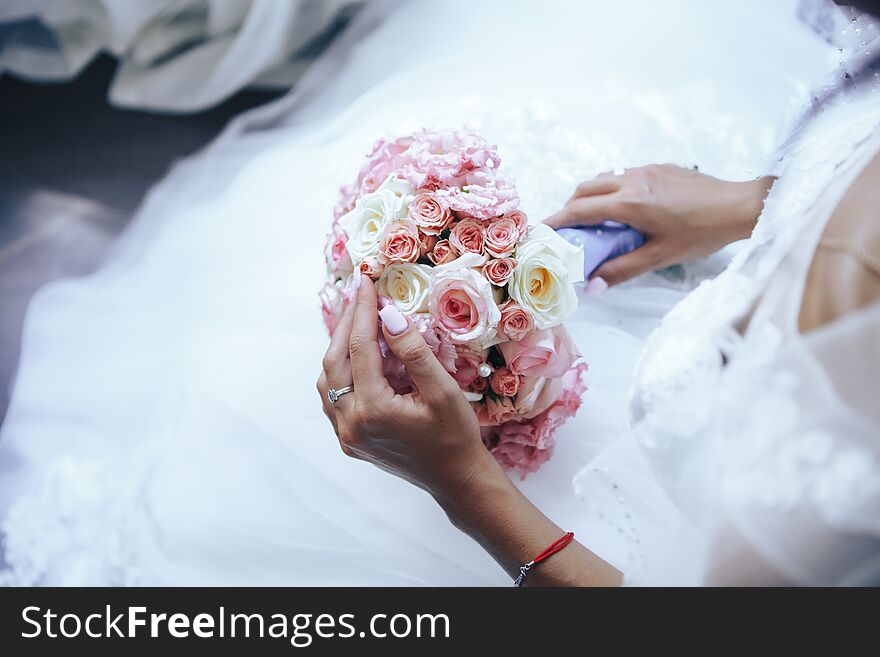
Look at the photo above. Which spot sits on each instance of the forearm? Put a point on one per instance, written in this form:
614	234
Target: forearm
493	511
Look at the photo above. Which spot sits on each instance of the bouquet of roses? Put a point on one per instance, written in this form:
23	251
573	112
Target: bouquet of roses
431	221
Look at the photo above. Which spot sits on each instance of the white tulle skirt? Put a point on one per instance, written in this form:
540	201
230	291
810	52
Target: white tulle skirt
164	426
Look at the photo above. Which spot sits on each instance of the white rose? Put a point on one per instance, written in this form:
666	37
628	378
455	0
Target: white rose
364	224
546	268
407	285
402	190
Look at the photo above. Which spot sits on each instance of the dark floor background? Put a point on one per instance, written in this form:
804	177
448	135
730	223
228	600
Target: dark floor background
72	172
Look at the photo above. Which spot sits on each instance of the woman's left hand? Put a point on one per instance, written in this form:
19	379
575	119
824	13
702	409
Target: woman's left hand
430	437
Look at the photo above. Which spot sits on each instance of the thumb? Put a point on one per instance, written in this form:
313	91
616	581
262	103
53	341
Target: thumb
627	266
410	347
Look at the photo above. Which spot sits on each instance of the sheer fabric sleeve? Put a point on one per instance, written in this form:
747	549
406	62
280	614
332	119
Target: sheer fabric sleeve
801	503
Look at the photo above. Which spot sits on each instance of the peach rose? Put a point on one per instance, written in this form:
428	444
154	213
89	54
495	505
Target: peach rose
505	383
468	236
521	220
429	214
466	363
515	321
427	243
499	271
547	353
479	385
371	267
442	253
497	411
501	237
537	394
400	243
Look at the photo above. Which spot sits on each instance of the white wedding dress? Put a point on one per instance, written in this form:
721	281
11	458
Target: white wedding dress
164	427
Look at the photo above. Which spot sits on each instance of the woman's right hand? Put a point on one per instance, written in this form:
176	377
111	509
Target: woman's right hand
683	214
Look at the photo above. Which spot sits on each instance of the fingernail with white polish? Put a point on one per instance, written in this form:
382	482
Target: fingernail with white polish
596	285
394	322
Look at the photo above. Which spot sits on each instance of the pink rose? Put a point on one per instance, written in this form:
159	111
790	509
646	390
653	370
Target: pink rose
499	271
462	302
442	253
437	339
400	243
339	263
427	243
515	321
521	220
467	236
505	383
371	267
537	394
466	363
479	385
429	214
496	411
501	237
547	353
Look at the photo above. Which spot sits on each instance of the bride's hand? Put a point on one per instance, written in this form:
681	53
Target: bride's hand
683	214
431	437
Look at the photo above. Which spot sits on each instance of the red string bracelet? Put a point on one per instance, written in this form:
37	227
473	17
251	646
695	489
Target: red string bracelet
546	554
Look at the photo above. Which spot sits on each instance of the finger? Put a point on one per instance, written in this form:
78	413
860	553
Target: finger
329	411
426	372
629	265
604	183
336	359
587	210
363	345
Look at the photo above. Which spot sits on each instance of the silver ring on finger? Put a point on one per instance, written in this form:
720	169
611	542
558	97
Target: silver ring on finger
334	394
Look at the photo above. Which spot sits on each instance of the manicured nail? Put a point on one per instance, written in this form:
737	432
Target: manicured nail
394	322
597	285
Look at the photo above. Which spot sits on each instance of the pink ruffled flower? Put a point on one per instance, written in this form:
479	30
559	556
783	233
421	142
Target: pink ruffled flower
431	216
547	353
504	382
441	158
400	243
516	321
442	253
386	157
348	195
501	237
491	198
498	272
467	236
427	159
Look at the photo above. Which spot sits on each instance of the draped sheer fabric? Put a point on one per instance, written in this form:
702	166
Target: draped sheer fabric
769	439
